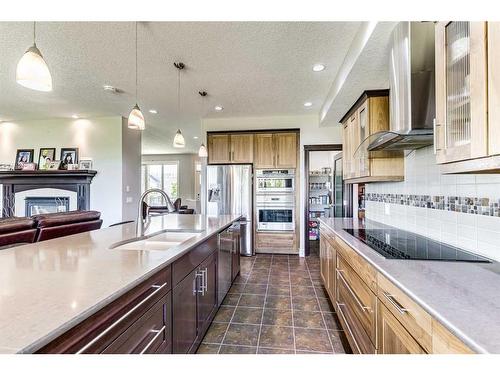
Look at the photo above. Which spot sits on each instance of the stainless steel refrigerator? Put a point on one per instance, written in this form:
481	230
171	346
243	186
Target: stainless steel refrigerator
229	191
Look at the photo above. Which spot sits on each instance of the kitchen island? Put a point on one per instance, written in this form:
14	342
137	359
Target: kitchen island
80	293
408	306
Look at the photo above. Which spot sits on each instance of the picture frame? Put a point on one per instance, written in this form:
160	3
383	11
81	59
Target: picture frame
45	157
23	156
68	156
29	167
85	164
54	165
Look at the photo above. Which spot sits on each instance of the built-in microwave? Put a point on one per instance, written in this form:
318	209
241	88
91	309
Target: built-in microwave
275	181
275	212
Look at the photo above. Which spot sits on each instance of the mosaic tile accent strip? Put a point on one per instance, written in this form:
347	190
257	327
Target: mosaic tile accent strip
470	205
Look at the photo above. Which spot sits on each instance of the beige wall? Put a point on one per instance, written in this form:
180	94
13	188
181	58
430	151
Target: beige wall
131	171
311	133
96	138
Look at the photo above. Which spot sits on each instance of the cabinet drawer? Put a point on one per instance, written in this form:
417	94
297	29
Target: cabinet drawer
364	270
97	332
183	266
358	299
151	331
415	319
284	241
358	339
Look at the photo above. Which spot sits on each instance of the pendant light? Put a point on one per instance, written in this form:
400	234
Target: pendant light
136	118
32	70
179	141
202	152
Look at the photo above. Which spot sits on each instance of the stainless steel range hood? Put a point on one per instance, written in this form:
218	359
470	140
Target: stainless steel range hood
412	93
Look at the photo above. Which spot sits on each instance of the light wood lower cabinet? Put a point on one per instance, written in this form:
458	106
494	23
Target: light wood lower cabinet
443	342
327	265
393	338
413	317
377	316
358	298
284	243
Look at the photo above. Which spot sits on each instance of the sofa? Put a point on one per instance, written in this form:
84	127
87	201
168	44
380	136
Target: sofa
22	230
179	208
17	230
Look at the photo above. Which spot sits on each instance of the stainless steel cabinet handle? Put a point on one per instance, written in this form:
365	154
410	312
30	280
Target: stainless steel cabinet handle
401	309
363	307
339	305
158	333
436	136
202	283
99	336
205	280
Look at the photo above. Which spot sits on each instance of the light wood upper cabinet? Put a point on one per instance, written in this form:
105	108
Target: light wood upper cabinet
219	148
369	115
264	150
241	148
393	338
461	91
286	150
230	148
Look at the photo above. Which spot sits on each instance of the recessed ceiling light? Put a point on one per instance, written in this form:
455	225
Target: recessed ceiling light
218	108
109	88
74	116
153	111
195	137
318	67
308	104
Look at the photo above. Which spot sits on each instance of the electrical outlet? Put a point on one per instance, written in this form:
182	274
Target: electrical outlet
387	208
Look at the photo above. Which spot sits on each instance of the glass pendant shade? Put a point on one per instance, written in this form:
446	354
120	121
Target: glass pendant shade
136	119
179	140
202	152
32	71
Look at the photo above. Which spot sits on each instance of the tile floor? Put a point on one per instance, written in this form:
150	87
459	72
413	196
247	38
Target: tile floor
276	306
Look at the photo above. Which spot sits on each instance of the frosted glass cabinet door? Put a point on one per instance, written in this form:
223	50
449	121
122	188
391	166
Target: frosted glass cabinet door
461	91
363	160
494	88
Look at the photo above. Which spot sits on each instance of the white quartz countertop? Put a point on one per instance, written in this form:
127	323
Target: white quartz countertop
48	287
464	297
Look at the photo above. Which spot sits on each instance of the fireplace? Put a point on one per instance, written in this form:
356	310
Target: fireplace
73	191
45	205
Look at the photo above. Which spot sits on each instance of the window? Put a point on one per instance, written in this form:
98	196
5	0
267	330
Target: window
160	176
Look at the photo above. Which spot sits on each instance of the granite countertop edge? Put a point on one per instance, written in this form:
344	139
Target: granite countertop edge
350	240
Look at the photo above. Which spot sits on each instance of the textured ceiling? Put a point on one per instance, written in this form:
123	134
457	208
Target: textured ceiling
369	72
250	68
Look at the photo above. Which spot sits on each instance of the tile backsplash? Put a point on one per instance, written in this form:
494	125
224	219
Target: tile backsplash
462	210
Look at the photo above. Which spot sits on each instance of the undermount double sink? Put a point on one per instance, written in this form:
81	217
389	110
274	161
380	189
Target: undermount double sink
161	241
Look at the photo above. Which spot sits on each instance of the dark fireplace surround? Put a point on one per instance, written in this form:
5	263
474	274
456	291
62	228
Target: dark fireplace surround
17	181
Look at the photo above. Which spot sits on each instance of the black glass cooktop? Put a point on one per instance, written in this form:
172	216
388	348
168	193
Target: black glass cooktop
394	243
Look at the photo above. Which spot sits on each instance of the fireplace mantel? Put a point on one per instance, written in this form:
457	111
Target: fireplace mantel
16	181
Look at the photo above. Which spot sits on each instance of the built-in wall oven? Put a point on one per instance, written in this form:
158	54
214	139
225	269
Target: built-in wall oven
275	181
275	212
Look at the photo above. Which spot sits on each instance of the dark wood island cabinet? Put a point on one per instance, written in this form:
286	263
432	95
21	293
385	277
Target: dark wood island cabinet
169	312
